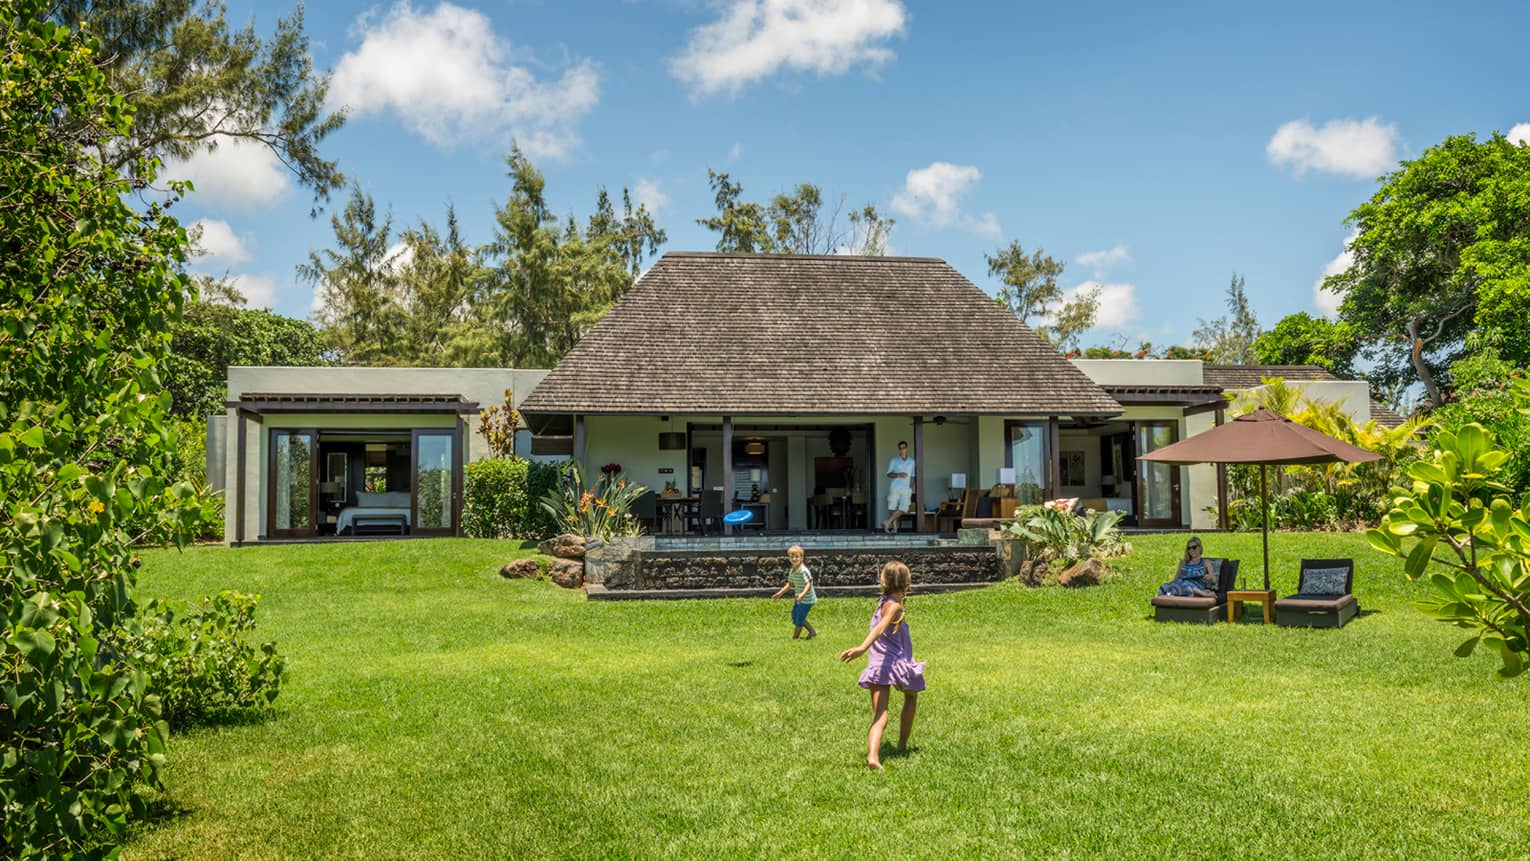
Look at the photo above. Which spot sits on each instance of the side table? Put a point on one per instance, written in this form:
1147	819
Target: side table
1237	597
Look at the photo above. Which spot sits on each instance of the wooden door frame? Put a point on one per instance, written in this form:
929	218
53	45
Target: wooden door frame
313	483
1176	478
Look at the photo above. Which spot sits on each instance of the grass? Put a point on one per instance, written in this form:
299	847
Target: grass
434	710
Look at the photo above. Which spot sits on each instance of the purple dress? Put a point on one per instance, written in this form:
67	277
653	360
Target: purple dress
890	660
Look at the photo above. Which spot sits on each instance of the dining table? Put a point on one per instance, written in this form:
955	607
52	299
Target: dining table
672	508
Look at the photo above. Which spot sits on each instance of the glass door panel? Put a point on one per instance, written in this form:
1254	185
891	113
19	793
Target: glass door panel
292	482
1028	455
434	482
1158	497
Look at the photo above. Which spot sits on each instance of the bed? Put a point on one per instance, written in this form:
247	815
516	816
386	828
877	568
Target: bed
375	510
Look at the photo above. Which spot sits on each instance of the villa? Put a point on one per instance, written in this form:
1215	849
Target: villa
776	384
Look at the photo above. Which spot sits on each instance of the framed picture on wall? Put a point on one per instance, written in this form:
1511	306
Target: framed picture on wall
1072	468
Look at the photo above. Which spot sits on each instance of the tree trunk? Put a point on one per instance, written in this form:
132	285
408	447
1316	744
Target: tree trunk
1416	354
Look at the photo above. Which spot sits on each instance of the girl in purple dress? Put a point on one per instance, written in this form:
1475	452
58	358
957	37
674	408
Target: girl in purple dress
891	664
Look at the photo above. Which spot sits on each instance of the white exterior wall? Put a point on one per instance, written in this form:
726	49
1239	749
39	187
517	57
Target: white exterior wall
1353	397
1142	372
485	386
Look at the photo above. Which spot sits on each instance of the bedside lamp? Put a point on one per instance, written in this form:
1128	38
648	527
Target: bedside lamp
329	488
957	484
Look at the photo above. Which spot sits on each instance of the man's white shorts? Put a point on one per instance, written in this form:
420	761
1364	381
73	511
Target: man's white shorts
900	499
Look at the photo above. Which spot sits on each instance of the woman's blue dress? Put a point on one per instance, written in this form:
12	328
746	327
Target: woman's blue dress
1192	576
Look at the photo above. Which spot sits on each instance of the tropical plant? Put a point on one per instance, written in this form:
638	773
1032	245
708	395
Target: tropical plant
1054	534
602	510
498	426
1456	525
1322	496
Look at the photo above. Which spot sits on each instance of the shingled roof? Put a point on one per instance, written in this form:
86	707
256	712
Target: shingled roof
754	334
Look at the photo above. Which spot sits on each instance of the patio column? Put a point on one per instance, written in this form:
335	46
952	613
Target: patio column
579	442
239	416
1221	482
1054	490
727	468
918	473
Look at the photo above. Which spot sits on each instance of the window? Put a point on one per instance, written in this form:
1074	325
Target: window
376	479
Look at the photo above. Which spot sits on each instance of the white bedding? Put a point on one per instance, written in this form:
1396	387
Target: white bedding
348	514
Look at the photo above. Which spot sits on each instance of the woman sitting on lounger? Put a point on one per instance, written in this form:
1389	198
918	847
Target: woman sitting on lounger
1195	578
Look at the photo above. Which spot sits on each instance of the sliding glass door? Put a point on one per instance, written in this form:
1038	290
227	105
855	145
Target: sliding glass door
1026	453
292	500
436	477
1158	501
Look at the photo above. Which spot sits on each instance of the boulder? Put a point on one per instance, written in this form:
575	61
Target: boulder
1090	572
568	573
550	546
568	551
524	569
1032	572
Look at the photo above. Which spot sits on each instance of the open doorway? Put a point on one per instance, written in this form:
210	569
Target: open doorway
790	477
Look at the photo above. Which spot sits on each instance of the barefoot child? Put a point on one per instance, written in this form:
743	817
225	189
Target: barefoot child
800	583
891	664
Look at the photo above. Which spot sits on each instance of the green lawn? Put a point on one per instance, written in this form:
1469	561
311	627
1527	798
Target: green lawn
434	710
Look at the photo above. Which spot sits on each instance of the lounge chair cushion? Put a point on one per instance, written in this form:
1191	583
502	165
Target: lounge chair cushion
1317	603
1191	603
1325	581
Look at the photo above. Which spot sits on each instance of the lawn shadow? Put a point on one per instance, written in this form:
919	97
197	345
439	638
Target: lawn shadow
741	663
227	717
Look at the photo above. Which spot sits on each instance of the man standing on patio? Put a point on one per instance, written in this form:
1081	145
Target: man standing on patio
901	490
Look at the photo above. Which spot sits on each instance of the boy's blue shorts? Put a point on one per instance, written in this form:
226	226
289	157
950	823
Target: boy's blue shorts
799	613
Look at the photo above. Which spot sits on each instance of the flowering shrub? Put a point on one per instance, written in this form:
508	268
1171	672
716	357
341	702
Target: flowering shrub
602	510
611	469
498	426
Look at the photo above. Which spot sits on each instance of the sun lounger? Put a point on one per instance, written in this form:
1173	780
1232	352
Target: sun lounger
1324	596
1202	611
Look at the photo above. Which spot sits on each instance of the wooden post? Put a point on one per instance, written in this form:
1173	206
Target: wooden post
1221	482
1264	510
1054	490
918	473
727	468
579	444
239	481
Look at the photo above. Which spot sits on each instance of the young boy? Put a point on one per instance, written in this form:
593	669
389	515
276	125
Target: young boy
800	583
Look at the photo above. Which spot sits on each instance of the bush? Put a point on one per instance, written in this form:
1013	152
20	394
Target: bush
501	498
496	501
90	284
199	661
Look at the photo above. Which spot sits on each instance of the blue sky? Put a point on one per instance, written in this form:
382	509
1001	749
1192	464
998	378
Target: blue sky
1155	148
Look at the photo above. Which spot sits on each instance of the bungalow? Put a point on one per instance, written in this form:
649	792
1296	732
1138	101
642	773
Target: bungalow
783	385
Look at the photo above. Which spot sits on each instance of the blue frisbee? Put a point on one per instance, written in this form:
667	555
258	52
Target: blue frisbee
743	515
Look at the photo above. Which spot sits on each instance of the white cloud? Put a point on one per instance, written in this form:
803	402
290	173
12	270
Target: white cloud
448	76
258	290
1101	262
239	174
217	243
1520	134
736	151
1326	300
398	256
932	195
1357	148
756	38
1117	303
648	193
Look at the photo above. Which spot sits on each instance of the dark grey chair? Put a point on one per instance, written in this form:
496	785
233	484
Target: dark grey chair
711	511
1324	596
1201	611
646	509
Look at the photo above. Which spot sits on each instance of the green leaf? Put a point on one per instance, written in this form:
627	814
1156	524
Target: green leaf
32	437
1465	649
1418	558
34	644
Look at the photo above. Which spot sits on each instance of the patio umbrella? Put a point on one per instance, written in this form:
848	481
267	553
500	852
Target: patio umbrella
1265	438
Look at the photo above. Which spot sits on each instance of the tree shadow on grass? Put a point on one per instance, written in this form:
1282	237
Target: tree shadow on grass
227	717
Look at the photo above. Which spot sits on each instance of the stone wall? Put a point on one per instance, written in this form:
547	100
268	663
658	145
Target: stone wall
704	569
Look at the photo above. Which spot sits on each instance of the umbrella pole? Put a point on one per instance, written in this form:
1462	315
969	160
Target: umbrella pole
1264	507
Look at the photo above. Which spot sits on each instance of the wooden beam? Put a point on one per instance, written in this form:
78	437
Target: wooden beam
918	473
727	468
